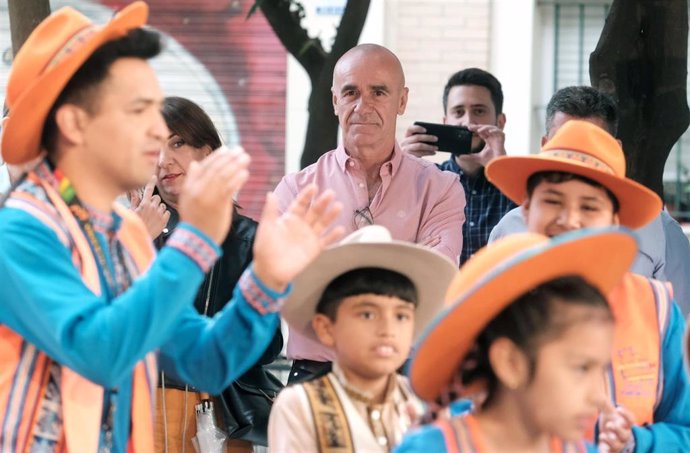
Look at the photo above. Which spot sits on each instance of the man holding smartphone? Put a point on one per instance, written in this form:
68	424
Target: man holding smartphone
472	98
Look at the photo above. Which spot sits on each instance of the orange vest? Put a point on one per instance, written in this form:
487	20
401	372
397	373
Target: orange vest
462	434
24	369
641	307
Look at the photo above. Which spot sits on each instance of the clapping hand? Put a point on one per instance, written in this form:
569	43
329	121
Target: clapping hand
286	244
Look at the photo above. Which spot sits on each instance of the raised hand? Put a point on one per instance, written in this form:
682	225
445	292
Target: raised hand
150	208
494	139
412	143
206	198
286	244
615	429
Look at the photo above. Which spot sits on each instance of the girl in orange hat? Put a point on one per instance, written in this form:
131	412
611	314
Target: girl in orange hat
528	334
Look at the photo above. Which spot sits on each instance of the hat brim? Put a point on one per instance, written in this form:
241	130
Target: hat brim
638	204
21	138
449	338
430	272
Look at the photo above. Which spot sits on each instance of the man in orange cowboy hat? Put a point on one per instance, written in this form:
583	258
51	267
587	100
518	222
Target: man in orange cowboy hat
84	299
578	181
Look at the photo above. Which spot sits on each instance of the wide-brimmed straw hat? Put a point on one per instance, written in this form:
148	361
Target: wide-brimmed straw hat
500	273
46	62
371	246
584	149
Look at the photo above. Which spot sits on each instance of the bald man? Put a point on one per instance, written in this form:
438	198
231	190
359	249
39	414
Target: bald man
376	182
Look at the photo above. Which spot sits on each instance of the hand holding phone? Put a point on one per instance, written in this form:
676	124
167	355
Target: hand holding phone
456	140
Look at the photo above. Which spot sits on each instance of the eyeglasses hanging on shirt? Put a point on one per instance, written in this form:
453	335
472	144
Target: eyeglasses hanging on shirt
362	217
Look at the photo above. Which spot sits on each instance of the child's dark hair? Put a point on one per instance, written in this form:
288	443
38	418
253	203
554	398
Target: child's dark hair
558	177
530	320
365	280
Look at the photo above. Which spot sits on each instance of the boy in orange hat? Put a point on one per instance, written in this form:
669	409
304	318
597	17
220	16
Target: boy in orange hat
84	302
364	299
578	181
528	328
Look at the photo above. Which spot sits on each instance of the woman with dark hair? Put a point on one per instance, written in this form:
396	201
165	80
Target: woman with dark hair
192	137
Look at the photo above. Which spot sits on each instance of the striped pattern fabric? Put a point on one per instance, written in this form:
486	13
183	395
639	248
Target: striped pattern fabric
256	296
194	247
35	393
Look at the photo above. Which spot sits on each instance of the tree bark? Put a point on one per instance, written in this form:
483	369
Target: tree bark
641	60
322	127
25	15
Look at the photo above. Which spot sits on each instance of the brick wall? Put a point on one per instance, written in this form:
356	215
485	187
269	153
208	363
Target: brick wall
434	39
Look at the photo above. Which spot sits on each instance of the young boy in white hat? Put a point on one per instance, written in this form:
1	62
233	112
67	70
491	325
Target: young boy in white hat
365	298
578	181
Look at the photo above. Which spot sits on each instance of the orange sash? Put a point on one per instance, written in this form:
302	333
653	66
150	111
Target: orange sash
641	307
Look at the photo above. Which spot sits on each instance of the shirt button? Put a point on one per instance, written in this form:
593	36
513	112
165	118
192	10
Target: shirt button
474	192
471	223
351	164
375	414
361	185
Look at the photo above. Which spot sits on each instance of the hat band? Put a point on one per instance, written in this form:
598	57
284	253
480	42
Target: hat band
583	158
72	44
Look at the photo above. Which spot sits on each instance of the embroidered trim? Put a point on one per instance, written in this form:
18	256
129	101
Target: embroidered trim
332	428
256	297
194	247
584	158
75	42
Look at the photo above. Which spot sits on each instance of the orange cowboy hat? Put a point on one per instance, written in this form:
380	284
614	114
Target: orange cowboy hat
497	275
581	148
371	246
49	58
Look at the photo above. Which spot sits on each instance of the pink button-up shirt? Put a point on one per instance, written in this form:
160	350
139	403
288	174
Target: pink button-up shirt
416	202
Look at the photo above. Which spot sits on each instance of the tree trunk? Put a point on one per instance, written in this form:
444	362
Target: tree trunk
25	15
641	60
322	128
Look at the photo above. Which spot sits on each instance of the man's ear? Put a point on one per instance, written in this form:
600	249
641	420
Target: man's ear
323	326
403	101
510	365
501	121
71	122
334	99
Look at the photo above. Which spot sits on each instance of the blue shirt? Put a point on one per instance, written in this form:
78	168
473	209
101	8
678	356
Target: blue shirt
45	301
485	206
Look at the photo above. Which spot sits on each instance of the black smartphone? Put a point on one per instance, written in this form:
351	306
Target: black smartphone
456	140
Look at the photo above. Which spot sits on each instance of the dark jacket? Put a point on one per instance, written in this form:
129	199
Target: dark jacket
221	279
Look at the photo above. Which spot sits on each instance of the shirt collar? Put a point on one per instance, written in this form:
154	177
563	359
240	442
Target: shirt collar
392	164
103	221
452	165
363	395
